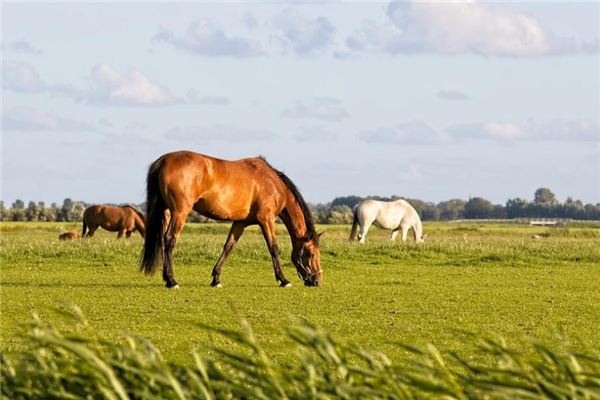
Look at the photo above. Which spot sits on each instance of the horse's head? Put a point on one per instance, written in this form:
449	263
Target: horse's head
307	260
421	239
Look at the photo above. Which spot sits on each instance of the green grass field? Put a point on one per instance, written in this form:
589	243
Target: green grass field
490	279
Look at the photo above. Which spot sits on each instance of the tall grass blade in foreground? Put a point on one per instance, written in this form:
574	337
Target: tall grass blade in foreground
76	365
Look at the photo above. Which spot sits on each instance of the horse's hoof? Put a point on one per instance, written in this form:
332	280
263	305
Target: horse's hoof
176	286
218	285
286	284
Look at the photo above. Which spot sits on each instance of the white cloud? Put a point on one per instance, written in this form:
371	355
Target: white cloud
204	38
22	46
502	130
218	133
194	98
249	21
464	26
21	77
410	133
452	95
562	129
559	129
303	35
315	133
109	86
323	108
26	119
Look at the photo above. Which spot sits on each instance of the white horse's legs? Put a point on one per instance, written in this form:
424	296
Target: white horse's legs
394	234
364	228
405	229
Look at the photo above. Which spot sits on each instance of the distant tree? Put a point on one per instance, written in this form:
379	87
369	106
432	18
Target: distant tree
320	212
430	212
498	212
46	213
478	207
18	204
31	213
592	211
349	201
65	210
517	208
2	210
77	211
544	196
340	214
452	209
18	211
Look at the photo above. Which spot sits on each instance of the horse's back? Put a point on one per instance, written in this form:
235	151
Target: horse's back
109	218
219	189
387	214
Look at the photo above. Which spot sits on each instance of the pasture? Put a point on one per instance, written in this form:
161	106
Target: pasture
489	279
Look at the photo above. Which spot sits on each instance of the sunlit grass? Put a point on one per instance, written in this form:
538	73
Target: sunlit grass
482	278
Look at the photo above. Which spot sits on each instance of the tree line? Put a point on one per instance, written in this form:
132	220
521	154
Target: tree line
543	205
339	211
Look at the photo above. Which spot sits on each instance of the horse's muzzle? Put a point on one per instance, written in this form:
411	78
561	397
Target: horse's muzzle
311	282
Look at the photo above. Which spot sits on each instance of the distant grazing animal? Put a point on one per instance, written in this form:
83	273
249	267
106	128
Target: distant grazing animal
395	215
124	219
69	236
247	192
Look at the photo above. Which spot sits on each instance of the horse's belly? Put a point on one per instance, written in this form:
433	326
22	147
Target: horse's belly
389	225
111	227
212	208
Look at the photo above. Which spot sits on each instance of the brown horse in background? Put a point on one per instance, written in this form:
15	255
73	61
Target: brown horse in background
124	219
69	236
247	192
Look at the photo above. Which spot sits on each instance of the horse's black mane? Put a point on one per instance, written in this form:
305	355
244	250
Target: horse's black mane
308	218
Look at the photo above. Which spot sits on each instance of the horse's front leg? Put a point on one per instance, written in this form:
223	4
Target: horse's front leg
237	228
268	229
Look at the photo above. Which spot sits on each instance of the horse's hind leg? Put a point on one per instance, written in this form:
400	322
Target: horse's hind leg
267	226
120	234
364	228
128	234
91	231
169	241
237	228
394	234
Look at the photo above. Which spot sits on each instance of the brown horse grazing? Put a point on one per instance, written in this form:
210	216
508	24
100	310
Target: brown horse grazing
69	236
124	219
247	192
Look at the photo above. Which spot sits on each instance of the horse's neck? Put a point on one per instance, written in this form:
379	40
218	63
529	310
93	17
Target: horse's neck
293	219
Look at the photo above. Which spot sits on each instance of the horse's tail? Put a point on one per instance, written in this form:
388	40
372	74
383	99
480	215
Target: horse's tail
155	218
354	223
84	230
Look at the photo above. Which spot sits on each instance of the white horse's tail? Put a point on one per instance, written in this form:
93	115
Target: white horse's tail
354	224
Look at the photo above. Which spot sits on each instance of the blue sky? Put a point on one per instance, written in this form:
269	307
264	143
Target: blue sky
420	99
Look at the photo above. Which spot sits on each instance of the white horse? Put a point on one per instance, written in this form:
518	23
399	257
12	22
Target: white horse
395	216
